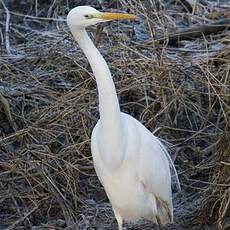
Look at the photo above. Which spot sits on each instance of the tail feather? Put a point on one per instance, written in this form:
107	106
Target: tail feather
164	212
170	163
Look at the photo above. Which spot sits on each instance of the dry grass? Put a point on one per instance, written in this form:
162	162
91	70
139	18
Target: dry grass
180	93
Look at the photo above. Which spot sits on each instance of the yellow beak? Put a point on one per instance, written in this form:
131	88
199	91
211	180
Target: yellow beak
115	16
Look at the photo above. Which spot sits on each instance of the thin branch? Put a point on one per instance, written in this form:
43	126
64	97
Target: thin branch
196	31
38	18
7	38
11	227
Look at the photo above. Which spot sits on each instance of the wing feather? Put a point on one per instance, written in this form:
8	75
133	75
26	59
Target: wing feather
154	172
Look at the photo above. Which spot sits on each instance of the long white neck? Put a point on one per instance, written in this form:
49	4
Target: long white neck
109	108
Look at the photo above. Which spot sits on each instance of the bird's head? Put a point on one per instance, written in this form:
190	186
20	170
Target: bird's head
83	16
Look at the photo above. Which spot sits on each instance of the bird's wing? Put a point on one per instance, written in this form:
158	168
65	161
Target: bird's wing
154	173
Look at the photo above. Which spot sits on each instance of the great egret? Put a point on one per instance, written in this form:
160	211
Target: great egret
130	162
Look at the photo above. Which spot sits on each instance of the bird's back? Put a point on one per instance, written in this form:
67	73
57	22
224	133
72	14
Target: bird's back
140	187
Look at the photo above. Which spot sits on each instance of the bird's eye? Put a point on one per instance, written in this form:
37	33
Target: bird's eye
88	16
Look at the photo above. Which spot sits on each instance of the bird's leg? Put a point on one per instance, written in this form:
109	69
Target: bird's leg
119	220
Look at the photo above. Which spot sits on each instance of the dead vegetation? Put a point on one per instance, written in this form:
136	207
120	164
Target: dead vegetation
48	107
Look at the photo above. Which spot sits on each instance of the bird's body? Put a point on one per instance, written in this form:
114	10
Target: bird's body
141	181
131	163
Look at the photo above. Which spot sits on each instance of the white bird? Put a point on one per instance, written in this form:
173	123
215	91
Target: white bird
131	163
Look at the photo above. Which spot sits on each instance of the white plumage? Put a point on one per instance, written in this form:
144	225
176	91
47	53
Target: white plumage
137	180
131	163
